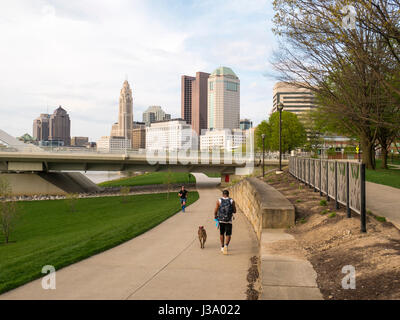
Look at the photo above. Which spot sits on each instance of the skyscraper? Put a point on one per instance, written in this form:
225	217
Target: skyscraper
123	128
41	127
223	99
60	126
194	100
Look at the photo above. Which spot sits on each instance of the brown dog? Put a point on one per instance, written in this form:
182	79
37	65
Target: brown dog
202	236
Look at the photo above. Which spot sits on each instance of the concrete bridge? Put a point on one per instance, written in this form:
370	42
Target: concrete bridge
25	163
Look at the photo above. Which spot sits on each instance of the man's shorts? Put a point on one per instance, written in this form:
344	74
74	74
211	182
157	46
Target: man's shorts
183	200
225	228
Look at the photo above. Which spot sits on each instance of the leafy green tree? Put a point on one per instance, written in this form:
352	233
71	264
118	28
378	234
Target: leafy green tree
262	128
293	132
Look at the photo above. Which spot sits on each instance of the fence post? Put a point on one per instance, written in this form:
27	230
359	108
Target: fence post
336	187
327	182
363	213
320	177
314	180
348	189
309	173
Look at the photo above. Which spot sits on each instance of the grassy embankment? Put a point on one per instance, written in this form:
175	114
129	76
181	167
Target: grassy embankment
151	178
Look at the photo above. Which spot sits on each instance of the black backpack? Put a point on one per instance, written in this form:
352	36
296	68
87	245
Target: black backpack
225	210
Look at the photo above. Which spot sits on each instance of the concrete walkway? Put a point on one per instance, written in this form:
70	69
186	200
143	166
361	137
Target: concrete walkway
164	263
384	201
286	276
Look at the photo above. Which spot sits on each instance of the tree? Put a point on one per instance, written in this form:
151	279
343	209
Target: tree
351	71
262	128
72	199
8	209
125	194
293	132
315	140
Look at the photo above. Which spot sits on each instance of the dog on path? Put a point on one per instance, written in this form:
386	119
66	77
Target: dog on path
202	236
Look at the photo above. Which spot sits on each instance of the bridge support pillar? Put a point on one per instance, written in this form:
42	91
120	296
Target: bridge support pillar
49	183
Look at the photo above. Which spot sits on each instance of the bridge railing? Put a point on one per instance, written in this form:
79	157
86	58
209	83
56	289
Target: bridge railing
341	181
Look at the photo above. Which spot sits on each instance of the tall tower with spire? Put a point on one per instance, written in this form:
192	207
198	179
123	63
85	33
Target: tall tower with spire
124	126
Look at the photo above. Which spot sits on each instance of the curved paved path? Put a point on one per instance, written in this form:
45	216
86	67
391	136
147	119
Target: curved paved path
384	201
163	263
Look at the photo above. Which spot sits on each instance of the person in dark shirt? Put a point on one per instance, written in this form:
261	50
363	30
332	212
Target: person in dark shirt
183	197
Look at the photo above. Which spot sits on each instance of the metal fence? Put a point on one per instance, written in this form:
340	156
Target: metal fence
341	181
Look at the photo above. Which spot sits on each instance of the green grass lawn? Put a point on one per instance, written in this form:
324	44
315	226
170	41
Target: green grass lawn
390	177
214	175
48	233
150	178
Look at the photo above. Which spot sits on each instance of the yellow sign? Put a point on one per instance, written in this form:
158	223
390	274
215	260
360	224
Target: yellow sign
357	149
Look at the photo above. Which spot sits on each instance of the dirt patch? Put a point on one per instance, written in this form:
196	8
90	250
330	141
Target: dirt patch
289	248
253	277
330	241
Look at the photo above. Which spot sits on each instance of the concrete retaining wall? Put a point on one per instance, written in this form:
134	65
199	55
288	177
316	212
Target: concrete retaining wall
264	206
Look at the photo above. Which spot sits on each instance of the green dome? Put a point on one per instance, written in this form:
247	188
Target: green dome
224	71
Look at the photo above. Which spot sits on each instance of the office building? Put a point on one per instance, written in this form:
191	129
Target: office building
246	124
123	128
223	99
174	134
295	99
113	144
41	127
225	139
154	114
79	141
194	95
60	127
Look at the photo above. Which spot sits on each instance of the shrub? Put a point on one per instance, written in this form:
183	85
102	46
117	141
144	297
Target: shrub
380	219
323	203
72	199
332	215
125	194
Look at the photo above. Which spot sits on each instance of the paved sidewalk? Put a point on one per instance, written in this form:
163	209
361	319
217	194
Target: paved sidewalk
284	276
384	201
163	263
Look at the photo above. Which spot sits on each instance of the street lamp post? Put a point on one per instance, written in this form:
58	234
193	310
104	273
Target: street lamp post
263	142
280	108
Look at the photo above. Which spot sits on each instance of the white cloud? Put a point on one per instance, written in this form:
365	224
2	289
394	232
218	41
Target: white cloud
77	54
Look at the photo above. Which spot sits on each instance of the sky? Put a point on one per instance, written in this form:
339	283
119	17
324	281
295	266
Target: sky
77	54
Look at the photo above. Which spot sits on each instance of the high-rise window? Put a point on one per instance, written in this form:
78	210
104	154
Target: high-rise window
231	86
211	86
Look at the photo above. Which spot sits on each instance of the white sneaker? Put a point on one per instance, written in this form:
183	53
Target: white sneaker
222	249
225	250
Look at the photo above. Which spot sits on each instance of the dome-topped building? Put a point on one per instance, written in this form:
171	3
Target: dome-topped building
223	99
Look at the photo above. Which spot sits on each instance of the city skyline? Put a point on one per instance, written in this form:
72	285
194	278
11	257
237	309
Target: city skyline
67	68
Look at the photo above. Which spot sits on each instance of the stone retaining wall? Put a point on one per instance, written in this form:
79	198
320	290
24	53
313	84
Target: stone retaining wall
264	206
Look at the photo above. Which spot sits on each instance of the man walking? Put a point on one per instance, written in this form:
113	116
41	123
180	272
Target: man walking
183	197
224	211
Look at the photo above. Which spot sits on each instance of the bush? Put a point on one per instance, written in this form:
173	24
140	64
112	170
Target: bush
72	199
332	215
125	194
323	203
